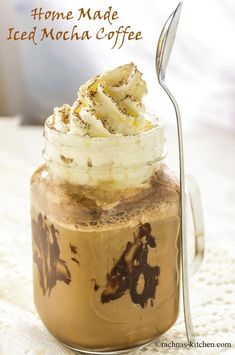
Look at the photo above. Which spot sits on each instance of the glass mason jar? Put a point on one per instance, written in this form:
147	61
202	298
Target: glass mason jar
106	246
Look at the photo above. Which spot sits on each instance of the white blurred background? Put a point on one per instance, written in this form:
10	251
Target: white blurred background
34	79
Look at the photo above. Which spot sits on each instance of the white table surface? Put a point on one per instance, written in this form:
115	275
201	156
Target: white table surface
209	157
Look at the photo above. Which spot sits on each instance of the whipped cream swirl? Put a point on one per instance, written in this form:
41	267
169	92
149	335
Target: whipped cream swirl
106	136
109	104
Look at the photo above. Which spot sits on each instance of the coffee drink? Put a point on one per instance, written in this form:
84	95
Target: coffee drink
105	220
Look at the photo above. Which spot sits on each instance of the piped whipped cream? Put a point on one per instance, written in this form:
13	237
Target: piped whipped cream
106	136
110	104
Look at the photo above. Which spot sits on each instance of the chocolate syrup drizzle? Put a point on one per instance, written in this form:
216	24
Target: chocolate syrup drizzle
133	263
46	254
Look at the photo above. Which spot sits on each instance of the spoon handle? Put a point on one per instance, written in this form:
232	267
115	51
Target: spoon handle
183	234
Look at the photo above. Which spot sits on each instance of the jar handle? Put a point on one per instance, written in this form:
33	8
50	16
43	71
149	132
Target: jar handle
198	223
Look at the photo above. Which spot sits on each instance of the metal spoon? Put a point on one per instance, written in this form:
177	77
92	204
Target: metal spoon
164	48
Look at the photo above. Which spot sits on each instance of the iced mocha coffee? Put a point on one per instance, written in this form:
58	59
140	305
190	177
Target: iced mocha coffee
105	220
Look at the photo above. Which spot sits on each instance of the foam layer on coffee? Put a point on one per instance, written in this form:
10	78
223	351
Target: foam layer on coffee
90	208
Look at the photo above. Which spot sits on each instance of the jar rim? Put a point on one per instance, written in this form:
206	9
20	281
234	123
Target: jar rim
52	133
123	159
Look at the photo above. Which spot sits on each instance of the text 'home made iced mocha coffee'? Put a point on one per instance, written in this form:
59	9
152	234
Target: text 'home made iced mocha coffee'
105	220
